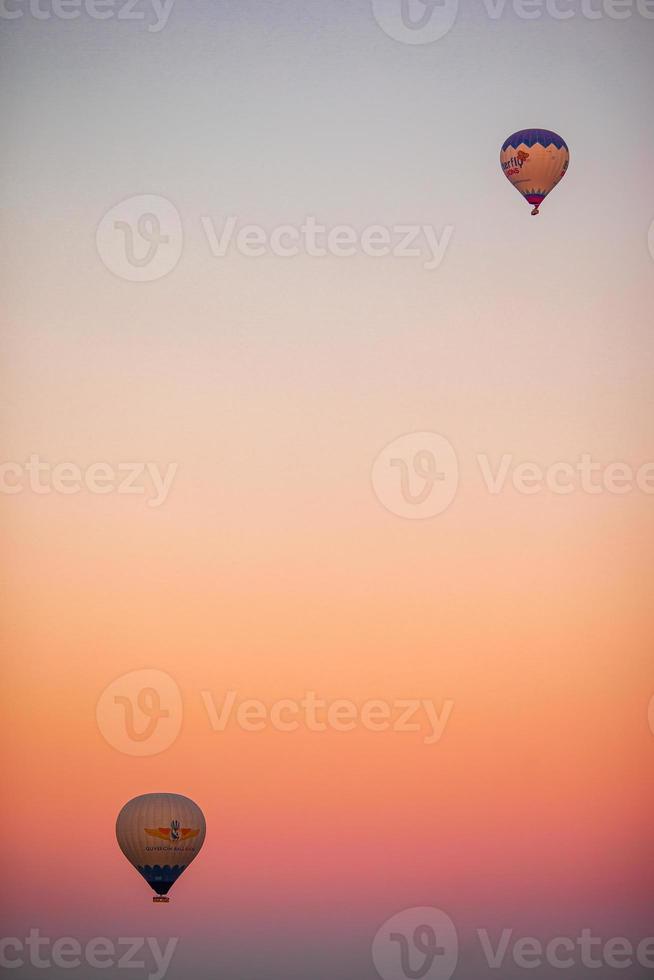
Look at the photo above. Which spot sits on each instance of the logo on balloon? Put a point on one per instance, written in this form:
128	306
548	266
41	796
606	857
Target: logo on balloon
415	21
141	238
140	713
416	944
416	476
172	833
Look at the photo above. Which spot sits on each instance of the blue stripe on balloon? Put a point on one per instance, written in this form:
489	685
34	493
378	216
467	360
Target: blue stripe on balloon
529	137
161	878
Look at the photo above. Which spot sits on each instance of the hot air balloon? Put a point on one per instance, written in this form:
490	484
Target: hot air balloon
534	160
160	834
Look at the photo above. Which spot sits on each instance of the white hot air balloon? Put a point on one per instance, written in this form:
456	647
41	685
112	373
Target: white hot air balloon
160	834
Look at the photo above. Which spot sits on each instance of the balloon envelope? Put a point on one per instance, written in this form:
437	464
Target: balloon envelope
160	834
534	160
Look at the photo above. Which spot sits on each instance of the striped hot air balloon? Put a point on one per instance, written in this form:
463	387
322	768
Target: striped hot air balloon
534	160
160	834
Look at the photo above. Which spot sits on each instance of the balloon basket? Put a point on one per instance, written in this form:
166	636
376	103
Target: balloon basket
160	898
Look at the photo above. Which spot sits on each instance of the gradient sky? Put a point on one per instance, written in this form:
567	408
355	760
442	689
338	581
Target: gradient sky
272	568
